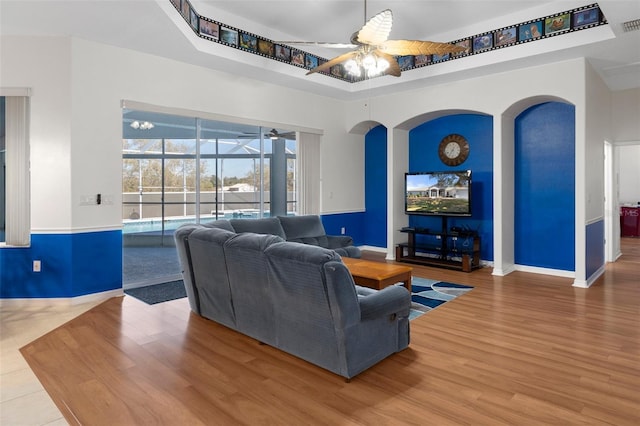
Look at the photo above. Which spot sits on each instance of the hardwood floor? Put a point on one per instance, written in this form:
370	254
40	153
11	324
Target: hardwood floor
516	350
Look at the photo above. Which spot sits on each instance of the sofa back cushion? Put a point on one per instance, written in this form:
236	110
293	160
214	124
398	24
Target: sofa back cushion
210	273
266	225
180	237
247	269
305	322
219	223
300	227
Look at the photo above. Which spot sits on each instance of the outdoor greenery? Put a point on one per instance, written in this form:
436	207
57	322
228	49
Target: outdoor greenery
145	174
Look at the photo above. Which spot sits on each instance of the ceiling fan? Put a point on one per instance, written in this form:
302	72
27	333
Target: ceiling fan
373	51
271	134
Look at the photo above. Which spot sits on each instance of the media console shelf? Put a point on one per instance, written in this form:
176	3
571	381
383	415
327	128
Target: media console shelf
441	249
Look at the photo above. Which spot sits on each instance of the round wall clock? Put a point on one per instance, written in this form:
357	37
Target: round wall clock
453	150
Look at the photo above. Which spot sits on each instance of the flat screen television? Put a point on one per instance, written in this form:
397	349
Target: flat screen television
442	193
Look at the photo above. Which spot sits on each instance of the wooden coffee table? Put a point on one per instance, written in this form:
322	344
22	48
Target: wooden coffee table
378	275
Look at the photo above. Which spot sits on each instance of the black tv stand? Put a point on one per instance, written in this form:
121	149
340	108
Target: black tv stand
458	250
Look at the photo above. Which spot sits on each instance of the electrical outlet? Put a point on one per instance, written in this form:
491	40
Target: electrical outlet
342	230
37	266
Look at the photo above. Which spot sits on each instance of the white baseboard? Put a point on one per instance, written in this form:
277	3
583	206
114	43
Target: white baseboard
506	270
590	280
545	271
373	248
61	301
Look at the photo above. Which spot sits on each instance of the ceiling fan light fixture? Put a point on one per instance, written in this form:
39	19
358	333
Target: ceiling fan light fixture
145	125
351	65
375	54
382	65
369	62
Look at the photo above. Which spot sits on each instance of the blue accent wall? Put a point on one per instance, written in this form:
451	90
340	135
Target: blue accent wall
353	224
72	265
423	157
545	186
375	169
594	248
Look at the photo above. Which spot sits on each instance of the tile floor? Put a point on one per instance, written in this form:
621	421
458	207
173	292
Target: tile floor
23	400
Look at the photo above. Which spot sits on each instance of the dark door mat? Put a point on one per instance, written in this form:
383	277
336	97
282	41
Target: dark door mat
159	293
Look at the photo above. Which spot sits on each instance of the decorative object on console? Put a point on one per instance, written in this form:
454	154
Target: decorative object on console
453	150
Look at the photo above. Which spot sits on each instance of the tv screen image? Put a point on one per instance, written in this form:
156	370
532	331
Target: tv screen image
438	193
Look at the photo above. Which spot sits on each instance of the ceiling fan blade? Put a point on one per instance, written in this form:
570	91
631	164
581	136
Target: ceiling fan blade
394	67
337	60
418	47
320	44
286	135
376	31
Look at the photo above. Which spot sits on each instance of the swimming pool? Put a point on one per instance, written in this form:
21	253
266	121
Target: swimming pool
134	226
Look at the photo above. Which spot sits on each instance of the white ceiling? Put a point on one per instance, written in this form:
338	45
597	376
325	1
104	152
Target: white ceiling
155	27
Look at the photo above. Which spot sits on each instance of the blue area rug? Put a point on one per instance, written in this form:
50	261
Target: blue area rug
428	294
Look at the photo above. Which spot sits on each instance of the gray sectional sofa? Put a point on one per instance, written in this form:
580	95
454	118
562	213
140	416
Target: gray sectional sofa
297	297
307	229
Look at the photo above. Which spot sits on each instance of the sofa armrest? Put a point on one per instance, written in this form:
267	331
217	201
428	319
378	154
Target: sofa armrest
388	301
338	241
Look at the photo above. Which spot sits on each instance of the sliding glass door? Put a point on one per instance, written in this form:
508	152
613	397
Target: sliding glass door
187	170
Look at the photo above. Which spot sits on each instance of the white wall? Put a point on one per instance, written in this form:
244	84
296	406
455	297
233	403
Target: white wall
44	65
629	175
597	131
76	123
625	115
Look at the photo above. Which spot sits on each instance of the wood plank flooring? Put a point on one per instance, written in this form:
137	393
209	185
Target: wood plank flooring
517	350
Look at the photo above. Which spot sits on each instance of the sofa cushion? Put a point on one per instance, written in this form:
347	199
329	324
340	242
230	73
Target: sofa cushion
303	318
266	225
220	223
184	255
247	269
298	227
210	273
320	241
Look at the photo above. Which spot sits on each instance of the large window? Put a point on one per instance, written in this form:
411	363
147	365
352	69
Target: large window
231	170
182	170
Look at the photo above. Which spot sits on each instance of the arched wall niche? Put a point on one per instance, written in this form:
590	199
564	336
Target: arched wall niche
420	119
395	149
523	104
503	168
363	127
505	185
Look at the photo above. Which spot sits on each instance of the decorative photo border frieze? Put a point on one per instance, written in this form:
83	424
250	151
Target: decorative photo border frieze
524	32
